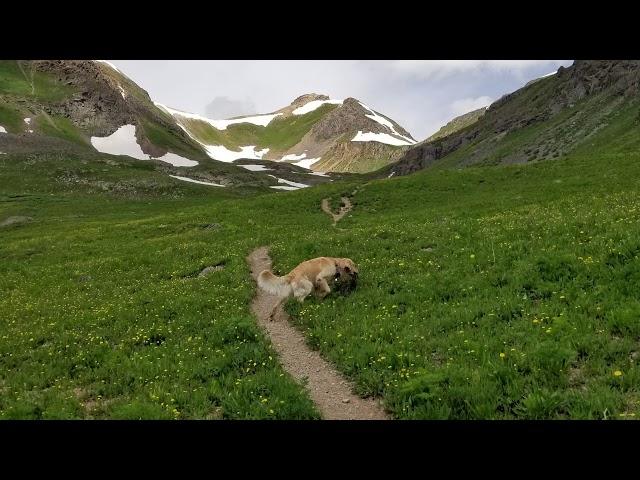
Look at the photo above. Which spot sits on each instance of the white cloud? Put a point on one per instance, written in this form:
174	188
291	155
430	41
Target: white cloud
439	68
225	107
465	105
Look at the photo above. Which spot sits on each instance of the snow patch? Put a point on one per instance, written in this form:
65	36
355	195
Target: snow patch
177	160
27	120
319	174
256	168
284	188
289	182
261	120
186	179
379	137
385	123
2	129
223	154
122	92
292	156
307	162
123	142
303	162
314	105
391	174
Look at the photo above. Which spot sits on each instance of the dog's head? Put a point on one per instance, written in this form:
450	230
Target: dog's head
346	268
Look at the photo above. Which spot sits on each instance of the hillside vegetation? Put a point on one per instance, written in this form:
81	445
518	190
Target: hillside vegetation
493	292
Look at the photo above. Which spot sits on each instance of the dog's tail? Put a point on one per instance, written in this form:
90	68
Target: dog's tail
274	285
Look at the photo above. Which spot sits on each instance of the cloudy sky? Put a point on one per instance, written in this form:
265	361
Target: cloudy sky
421	95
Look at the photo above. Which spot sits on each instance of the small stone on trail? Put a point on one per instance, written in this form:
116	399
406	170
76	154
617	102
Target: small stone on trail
345	400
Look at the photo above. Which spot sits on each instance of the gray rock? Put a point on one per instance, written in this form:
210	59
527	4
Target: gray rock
15	220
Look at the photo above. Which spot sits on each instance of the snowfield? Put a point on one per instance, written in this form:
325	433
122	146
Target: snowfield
2	129
176	160
292	156
123	142
313	105
307	162
223	154
303	162
288	182
256	168
386	123
379	137
186	179
260	120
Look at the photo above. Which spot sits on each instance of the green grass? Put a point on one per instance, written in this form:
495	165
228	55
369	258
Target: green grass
494	292
33	85
279	135
165	138
11	119
60	127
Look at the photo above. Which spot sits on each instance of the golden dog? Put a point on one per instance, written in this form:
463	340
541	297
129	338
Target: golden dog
305	278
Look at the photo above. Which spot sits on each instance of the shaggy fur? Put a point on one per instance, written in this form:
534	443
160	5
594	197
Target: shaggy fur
309	276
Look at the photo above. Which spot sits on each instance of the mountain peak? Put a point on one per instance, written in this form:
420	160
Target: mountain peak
308	97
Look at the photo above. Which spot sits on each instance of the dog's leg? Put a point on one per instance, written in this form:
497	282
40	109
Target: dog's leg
274	310
301	289
323	287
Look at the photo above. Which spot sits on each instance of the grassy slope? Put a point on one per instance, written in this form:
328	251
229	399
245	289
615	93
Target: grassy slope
101	327
458	123
17	83
60	127
35	85
279	135
496	292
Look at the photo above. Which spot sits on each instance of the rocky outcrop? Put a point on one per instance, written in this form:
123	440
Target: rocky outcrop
595	87
358	157
331	139
103	100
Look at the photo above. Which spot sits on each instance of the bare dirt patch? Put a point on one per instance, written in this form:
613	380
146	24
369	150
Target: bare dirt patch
330	391
344	209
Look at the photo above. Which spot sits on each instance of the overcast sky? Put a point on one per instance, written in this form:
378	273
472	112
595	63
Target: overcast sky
421	95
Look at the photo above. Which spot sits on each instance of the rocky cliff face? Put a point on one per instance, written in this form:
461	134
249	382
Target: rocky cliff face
102	100
565	108
98	108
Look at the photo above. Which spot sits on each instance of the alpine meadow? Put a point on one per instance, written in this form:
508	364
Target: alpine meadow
499	275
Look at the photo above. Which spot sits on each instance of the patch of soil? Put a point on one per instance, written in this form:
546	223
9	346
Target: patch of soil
344	209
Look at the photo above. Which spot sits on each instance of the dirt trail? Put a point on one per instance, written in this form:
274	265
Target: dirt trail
331	393
344	209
